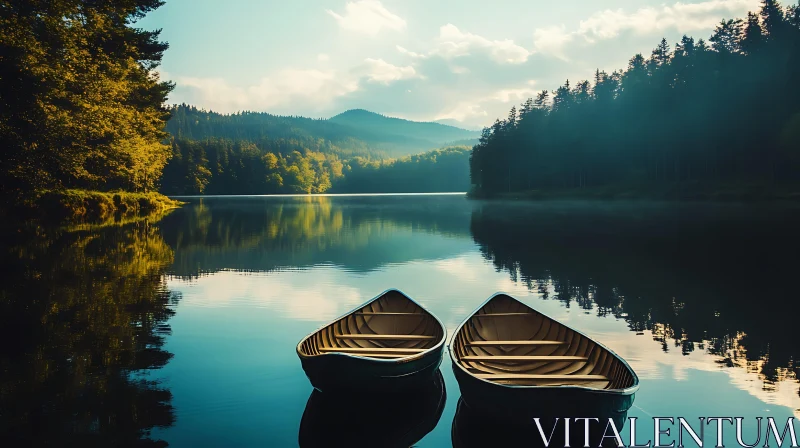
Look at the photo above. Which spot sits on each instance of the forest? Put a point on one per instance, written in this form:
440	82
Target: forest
224	166
81	102
718	111
82	107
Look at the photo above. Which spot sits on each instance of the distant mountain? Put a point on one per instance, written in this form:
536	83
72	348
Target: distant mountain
458	124
398	129
354	132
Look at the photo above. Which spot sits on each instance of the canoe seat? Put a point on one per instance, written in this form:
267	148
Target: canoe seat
370	349
395	337
524	376
523	358
520	343
380	313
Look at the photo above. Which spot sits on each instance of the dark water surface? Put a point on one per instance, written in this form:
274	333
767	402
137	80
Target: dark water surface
183	330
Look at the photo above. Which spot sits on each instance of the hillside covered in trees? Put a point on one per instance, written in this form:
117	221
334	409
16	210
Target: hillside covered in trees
351	133
223	166
723	111
259	153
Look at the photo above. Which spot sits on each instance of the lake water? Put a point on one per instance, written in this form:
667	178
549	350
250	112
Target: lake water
183	330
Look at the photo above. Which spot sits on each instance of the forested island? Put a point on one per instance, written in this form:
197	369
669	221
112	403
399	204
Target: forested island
707	119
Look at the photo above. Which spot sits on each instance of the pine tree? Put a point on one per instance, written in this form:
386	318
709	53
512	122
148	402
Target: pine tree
753	37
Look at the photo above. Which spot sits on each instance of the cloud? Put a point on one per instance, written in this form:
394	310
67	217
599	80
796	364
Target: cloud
368	17
299	88
410	53
290	89
476	107
608	24
380	71
552	40
322	57
683	17
453	43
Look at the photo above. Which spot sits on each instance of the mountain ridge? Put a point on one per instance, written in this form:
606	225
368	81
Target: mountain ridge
352	132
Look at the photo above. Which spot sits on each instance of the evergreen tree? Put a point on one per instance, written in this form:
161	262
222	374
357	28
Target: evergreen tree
80	100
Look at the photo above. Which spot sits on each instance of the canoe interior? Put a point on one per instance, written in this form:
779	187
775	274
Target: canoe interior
390	327
507	342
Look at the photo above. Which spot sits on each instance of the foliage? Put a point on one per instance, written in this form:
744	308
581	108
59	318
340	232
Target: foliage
352	133
440	170
220	166
80	100
688	115
83	205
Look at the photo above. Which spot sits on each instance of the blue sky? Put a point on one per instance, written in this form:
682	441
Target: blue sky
464	60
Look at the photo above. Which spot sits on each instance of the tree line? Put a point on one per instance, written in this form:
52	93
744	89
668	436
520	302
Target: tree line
225	166
723	110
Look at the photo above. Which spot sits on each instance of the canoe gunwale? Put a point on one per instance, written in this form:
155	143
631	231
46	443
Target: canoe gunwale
457	360
410	358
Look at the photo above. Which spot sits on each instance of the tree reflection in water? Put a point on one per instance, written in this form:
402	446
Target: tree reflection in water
83	315
714	278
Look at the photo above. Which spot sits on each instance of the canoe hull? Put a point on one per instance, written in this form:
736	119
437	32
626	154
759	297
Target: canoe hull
344	372
368	419
471	428
522	404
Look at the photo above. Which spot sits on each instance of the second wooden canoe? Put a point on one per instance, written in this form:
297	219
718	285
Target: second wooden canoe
509	359
388	343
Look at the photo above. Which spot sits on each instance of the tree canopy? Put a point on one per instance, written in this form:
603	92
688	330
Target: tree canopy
722	110
80	97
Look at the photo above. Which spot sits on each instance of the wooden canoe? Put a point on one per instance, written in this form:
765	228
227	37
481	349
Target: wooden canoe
510	359
388	343
372	420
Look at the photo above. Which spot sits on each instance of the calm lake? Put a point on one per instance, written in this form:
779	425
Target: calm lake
183	330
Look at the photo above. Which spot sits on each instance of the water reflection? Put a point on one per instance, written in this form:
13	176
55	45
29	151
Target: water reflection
471	428
372	420
696	277
360	234
83	314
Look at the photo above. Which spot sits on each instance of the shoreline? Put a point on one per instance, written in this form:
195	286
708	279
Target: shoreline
686	192
75	205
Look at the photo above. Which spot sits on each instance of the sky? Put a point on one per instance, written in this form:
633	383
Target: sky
462	61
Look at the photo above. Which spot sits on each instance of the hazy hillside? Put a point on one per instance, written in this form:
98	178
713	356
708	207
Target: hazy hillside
401	132
355	132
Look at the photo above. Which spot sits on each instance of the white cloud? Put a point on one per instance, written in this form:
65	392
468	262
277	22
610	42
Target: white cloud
290	89
295	87
380	71
475	108
410	53
453	43
368	17
322	57
683	17
552	40
607	24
